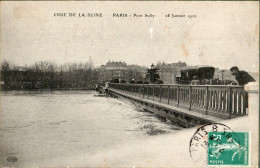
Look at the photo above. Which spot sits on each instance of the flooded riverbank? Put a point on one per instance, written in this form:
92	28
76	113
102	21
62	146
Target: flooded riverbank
37	127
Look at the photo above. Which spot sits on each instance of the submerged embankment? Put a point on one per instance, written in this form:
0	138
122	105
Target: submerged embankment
72	128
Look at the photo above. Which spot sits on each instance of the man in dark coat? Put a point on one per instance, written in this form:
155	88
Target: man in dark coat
242	77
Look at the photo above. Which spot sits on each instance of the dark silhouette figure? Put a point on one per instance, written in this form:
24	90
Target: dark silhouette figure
242	77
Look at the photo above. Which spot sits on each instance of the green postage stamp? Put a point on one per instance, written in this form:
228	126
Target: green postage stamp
228	148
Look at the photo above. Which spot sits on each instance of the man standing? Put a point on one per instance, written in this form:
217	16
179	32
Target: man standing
242	77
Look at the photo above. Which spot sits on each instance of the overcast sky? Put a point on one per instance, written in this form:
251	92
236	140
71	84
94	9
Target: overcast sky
223	34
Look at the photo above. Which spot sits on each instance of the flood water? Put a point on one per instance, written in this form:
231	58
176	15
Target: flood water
42	129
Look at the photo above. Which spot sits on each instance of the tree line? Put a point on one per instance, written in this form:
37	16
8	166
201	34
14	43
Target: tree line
48	75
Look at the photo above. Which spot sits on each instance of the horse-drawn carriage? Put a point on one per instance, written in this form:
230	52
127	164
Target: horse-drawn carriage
204	74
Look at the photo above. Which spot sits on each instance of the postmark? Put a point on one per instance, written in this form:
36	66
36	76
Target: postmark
205	146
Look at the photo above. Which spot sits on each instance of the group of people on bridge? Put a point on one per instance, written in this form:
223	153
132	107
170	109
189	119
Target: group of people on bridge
242	78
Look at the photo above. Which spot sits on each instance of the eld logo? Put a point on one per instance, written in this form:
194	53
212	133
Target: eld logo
12	159
228	148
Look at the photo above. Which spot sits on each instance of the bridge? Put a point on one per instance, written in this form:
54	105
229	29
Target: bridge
186	105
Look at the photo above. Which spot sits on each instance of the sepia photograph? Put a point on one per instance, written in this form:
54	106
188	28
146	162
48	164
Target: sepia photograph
129	84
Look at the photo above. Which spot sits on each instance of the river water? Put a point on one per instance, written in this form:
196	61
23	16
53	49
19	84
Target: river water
49	128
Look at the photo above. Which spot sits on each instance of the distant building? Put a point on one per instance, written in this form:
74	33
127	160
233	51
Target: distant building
136	72
112	70
168	72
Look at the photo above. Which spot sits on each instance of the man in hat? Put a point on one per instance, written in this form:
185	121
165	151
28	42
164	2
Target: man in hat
242	77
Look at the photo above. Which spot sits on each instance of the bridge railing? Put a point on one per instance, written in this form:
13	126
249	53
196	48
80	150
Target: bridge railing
217	100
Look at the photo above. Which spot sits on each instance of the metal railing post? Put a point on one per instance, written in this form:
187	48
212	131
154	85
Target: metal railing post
206	99
229	103
153	92
178	95
160	93
139	91
190	96
143	90
168	94
245	98
147	91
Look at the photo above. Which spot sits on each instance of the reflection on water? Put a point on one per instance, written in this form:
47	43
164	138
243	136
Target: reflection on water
38	126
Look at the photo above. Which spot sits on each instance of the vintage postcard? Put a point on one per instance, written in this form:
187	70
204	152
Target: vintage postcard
129	84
